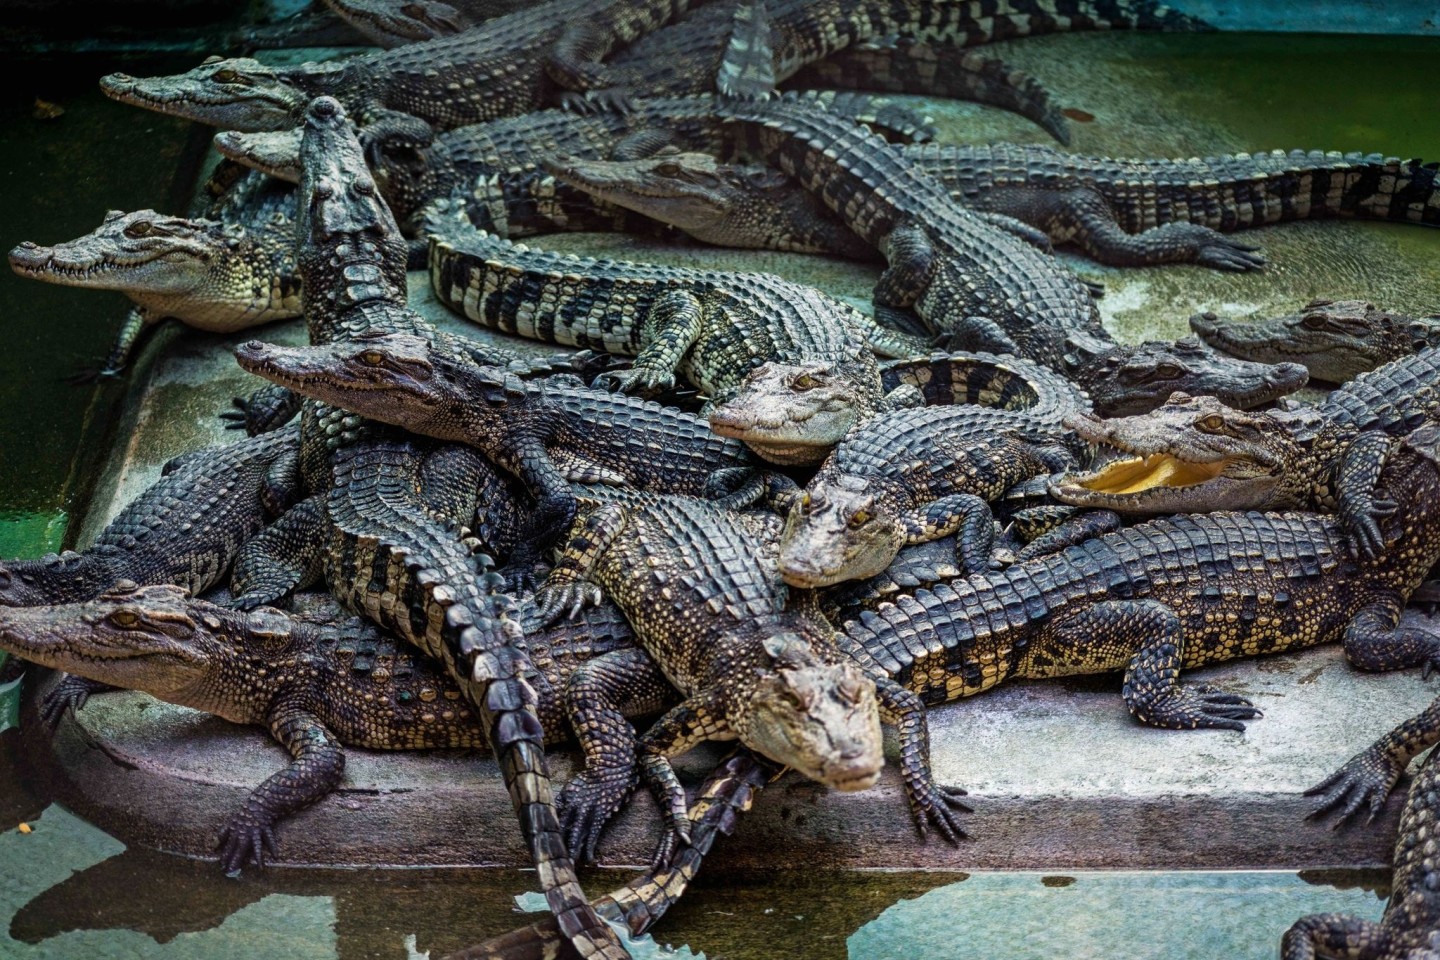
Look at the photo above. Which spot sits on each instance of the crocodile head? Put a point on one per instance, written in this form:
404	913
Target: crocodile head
273	152
839	529
395	378
53	578
1336	340
238	93
820	718
729	205
349	247
791	413
394	22
140	638
1193	455
1124	380
140	253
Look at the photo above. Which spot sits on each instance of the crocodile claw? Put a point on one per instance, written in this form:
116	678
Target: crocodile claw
1230	255
1365	780
68	697
563	601
587	804
940	806
245	840
1199	707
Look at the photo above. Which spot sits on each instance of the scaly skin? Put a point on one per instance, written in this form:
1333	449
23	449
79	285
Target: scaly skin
698	584
1174	594
549	434
185	529
721	331
1195	454
1126	212
1410	928
386	514
313	683
1335	339
394	23
209	275
510	65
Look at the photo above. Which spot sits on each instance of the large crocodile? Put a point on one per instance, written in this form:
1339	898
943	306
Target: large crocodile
698	583
510	65
1197	454
1335	339
1172	594
1410	927
314	682
386	513
721	331
1122	212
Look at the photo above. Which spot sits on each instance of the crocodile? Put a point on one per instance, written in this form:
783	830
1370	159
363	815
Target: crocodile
1410	926
209	275
315	682
698	583
1171	594
548	433
1125	212
726	333
1335	339
1196	454
510	65
393	23
386	512
185	529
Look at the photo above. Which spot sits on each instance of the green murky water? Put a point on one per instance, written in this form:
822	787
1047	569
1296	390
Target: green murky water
69	890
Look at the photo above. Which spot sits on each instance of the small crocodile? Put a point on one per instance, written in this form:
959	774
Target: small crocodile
1410	927
386	513
1126	212
1173	594
548	433
727	333
314	683
220	277
1335	339
1197	454
185	529
698	583
510	65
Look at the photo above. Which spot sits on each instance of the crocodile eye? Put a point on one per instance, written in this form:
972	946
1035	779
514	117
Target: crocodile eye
1211	424
668	169
1169	371
225	76
139	228
805	382
125	618
1315	321
373	357
859	518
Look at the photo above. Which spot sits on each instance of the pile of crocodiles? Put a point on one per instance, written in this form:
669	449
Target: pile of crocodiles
744	509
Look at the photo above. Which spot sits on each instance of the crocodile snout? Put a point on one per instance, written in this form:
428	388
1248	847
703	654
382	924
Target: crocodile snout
29	256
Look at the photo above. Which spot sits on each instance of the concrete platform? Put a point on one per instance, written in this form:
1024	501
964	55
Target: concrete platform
1061	776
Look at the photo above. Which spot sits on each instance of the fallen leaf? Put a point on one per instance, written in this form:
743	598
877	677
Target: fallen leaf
1078	115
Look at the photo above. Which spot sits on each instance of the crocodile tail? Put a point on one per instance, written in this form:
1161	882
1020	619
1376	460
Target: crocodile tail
747	71
906	65
987	380
1032	18
729	792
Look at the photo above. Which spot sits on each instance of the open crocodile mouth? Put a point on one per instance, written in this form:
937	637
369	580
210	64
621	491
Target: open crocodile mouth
1130	474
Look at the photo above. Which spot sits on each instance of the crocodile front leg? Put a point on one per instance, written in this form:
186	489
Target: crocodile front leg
1367	778
671	327
911	262
598	698
286	556
315	773
688	724
930	803
963	514
568	589
1374	640
267	408
1153	692
1335	935
1355	477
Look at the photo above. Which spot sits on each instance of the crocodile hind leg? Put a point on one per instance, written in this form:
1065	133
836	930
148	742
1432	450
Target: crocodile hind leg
314	774
284	557
1334	935
1374	640
670	329
599	697
1084	217
1367	778
1103	634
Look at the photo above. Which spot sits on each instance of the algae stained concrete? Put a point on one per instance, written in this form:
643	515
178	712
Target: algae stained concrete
1060	775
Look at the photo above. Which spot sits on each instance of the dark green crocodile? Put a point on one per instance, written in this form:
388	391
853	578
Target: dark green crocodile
728	334
1335	339
510	65
548	433
1410	927
1168	595
386	513
1120	212
315	682
185	529
1196	454
698	583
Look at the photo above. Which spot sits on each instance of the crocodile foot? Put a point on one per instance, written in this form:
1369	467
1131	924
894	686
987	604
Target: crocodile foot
635	380
245	840
1198	707
1365	780
605	100
588	802
1225	253
68	696
563	601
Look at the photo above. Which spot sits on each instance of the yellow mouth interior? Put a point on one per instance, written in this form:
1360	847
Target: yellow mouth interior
1146	473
